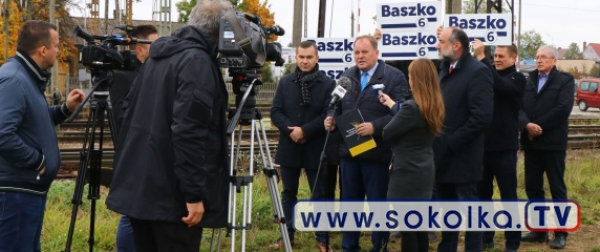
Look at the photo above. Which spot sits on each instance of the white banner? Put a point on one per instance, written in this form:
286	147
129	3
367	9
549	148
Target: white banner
335	55
437	215
404	16
491	29
409	29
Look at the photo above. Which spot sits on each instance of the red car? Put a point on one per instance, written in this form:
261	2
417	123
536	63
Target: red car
587	93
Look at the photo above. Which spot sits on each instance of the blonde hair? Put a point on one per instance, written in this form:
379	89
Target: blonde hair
427	94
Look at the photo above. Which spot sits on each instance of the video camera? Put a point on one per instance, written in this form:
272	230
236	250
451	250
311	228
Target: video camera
243	48
104	55
252	51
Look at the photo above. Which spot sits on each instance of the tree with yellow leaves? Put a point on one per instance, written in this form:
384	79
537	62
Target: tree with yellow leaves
15	23
38	11
262	10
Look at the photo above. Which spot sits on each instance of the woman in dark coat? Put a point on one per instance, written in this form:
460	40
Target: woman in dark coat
411	131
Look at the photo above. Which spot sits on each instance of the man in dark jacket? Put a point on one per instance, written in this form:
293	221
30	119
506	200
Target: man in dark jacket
467	89
544	120
172	170
299	108
121	83
502	137
29	154
368	173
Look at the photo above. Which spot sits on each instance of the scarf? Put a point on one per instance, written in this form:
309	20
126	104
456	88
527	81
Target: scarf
302	78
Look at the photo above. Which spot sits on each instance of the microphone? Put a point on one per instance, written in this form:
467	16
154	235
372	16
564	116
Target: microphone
127	28
277	30
340	90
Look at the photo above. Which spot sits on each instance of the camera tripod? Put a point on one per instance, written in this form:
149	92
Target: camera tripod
91	154
250	116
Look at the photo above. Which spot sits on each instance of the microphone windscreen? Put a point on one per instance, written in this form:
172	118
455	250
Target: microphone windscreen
345	82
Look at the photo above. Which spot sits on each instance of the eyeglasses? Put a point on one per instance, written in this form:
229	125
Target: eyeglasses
543	57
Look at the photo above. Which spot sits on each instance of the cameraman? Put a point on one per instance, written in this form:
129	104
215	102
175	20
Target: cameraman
118	90
172	166
122	79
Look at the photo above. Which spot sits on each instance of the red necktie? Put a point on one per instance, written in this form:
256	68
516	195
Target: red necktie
451	69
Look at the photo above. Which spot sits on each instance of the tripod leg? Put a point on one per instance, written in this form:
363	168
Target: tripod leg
270	174
84	160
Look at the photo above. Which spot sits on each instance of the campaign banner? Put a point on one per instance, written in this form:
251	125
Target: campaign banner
335	55
491	29
408	29
408	45
406	16
437	215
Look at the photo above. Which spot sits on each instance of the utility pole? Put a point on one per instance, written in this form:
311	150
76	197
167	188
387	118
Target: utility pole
453	6
117	12
54	70
6	22
352	20
305	19
129	12
322	10
519	30
297	27
106	17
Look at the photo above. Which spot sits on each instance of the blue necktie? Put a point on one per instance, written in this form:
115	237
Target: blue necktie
364	81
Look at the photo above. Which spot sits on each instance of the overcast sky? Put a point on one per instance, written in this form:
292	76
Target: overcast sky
559	22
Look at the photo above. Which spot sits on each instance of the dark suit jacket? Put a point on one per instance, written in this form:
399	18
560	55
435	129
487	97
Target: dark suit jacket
413	172
468	94
286	111
503	133
550	108
367	101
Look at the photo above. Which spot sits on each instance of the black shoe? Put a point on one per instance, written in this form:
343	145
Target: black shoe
559	242
488	245
535	237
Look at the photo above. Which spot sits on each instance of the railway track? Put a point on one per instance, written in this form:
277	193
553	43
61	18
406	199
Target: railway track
583	134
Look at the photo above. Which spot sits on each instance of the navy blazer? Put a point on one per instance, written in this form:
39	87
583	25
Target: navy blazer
468	94
367	101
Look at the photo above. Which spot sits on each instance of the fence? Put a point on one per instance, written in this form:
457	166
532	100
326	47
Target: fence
265	94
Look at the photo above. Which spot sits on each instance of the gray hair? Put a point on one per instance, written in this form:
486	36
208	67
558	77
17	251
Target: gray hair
550	49
206	15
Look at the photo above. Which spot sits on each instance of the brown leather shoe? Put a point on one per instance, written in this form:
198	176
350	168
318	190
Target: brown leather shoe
324	248
279	244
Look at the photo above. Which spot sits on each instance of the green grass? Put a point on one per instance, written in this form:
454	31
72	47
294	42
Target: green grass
582	178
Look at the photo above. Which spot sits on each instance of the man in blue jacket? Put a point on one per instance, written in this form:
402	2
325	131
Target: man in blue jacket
368	173
29	155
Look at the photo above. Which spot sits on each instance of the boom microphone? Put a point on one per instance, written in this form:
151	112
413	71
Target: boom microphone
340	90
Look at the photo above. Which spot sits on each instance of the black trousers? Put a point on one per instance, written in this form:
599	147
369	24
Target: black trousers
459	191
325	189
161	236
553	164
501	165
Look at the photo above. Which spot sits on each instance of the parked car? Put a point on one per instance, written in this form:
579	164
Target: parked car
587	93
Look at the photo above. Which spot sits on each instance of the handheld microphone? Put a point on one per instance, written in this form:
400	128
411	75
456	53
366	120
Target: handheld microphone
340	90
379	87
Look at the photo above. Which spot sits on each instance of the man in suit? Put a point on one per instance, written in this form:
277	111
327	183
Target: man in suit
299	107
458	153
544	120
501	138
368	173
